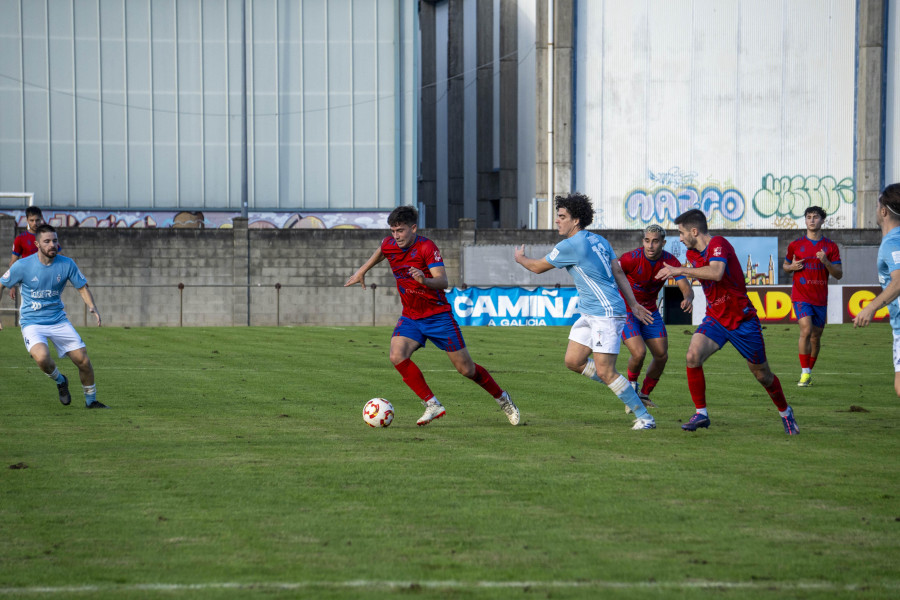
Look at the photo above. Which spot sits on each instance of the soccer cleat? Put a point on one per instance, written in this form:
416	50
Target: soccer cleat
510	408
696	422
805	380
790	425
644	424
433	410
96	404
64	397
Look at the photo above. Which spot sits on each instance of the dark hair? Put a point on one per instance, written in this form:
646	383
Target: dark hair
815	209
579	206
44	228
693	218
403	215
33	210
890	197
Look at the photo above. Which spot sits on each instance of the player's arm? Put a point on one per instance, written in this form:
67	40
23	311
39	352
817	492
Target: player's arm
835	270
437	281
360	275
887	295
88	298
714	271
790	266
687	305
642	314
535	265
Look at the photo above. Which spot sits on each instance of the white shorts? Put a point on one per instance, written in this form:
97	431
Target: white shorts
63	336
600	334
896	353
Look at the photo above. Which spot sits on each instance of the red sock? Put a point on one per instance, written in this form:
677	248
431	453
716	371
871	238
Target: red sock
412	376
777	394
648	386
812	360
633	376
484	379
804	361
697	386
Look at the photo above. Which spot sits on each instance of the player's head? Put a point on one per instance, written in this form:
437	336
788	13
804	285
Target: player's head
574	212
47	242
403	221
889	205
654	240
34	217
691	224
815	217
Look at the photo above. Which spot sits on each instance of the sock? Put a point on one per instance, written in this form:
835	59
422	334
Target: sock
804	362
56	376
621	388
648	386
812	361
777	394
632	376
697	386
806	371
484	379
90	393
590	371
413	377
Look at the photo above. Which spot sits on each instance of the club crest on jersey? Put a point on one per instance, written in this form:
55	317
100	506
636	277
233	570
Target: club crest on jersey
58	277
717	251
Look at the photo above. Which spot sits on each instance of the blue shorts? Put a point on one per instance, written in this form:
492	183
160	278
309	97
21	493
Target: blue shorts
633	327
441	329
747	338
818	313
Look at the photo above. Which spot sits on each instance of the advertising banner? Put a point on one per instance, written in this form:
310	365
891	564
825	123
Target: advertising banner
855	298
515	306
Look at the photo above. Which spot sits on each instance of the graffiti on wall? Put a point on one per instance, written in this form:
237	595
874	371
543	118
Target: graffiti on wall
205	220
780	201
790	196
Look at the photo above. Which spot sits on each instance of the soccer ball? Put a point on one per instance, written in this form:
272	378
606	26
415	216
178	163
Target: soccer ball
378	412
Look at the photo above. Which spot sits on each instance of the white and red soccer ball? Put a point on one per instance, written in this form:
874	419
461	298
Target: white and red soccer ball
378	412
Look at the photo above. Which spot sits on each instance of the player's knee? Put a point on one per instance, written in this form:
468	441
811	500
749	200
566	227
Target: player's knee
693	360
574	365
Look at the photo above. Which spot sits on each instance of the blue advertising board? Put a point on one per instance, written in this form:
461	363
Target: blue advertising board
514	306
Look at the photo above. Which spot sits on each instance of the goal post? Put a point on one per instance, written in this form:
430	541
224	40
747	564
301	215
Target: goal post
8	199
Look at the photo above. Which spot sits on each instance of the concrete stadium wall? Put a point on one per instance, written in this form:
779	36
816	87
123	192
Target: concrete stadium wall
229	275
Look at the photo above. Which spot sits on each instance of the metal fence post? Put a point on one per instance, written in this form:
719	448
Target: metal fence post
374	287
181	305
277	305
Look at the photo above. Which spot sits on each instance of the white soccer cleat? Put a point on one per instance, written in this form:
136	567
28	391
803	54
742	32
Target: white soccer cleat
433	410
644	424
510	408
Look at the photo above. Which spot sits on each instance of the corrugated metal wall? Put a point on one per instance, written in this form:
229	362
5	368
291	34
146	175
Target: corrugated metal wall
744	108
138	103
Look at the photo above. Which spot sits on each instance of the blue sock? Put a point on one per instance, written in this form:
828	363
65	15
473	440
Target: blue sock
627	395
56	376
90	394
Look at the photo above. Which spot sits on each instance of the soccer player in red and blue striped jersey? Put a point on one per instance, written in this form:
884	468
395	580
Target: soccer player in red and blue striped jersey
810	260
641	266
421	279
730	317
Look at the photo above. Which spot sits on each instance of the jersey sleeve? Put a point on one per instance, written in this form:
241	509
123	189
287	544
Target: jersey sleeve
13	276
76	278
789	257
890	254
562	255
672	261
833	253
717	250
432	255
17	246
626	261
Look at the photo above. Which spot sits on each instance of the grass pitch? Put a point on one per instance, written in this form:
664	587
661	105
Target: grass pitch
234	462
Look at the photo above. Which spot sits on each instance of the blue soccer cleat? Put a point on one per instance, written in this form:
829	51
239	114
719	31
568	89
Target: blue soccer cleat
696	422
790	425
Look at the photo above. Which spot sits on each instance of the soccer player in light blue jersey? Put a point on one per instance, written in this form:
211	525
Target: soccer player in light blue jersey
43	276
887	216
599	278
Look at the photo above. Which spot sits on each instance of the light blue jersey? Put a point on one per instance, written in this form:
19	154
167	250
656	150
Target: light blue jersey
588	257
42	287
888	261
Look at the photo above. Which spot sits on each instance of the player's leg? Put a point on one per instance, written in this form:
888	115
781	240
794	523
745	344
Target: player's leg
467	367
804	345
897	363
657	341
631	336
69	343
706	341
601	337
402	348
817	327
748	340
36	344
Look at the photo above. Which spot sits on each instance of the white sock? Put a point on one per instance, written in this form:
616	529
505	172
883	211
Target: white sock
806	370
590	371
702	411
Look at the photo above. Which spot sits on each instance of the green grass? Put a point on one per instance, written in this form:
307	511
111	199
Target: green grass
236	461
